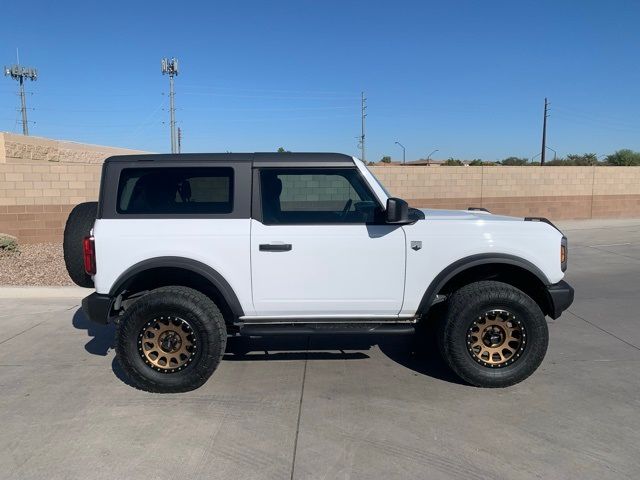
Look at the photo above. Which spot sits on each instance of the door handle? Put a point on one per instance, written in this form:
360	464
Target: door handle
275	247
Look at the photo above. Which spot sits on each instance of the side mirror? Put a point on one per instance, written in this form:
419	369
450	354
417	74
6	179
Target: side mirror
397	211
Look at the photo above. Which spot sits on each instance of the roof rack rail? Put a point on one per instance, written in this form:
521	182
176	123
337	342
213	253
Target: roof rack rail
478	209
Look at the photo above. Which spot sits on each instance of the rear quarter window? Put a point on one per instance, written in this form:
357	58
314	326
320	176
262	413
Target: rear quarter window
175	190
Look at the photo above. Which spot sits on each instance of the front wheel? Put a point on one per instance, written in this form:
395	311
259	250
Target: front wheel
171	340
493	335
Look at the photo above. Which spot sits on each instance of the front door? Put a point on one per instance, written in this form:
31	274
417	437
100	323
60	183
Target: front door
318	247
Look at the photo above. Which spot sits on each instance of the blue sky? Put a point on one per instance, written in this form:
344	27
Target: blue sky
465	77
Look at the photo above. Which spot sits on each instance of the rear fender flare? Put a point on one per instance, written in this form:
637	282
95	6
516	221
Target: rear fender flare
205	271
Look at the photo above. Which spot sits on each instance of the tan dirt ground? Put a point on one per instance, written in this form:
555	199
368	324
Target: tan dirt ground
36	264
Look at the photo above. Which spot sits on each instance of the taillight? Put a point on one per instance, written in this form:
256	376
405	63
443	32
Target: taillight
89	252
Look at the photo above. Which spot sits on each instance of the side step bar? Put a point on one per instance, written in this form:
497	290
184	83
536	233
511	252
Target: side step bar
325	329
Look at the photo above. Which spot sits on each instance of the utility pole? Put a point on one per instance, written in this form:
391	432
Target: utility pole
20	73
544	131
179	140
170	67
363	115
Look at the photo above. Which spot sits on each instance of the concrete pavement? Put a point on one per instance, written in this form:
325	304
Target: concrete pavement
347	407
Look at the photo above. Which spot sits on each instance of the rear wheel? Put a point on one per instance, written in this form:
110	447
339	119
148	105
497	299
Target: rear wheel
171	340
79	225
493	335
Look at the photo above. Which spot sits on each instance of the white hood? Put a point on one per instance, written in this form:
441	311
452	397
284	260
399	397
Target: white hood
436	214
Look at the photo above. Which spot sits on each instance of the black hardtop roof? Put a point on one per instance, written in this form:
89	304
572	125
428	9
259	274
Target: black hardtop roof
257	157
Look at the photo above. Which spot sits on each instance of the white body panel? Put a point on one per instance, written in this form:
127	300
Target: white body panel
330	270
341	270
221	244
448	236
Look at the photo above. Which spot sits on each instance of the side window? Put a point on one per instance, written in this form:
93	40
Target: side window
315	195
176	190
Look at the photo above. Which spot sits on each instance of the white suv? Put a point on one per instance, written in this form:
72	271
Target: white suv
184	250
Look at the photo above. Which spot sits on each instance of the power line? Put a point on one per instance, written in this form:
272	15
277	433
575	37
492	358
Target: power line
269	97
20	73
261	110
170	67
595	119
594	116
213	88
597	124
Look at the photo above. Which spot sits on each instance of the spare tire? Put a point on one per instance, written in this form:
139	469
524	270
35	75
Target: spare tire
79	225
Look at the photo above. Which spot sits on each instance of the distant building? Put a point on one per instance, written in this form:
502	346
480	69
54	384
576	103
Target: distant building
412	163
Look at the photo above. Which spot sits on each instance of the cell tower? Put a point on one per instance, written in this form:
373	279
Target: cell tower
20	73
170	67
363	115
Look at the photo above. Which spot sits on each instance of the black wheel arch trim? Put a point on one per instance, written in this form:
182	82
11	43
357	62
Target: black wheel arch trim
218	281
465	263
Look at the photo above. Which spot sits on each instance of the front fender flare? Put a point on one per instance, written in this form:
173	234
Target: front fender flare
465	263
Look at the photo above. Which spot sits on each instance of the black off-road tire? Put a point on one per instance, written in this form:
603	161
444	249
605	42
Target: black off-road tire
78	226
207	325
469	304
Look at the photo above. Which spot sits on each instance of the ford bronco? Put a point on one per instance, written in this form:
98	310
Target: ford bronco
186	250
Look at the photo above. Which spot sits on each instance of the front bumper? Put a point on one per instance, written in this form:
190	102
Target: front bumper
97	307
561	298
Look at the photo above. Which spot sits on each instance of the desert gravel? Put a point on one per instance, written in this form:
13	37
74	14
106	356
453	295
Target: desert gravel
36	264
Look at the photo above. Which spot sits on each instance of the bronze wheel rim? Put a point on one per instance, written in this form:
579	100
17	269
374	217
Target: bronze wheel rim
496	339
167	344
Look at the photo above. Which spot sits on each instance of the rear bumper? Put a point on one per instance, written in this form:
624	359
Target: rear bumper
97	307
561	296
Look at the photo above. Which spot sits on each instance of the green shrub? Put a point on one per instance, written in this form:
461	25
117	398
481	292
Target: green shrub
514	161
8	243
452	162
574	160
624	157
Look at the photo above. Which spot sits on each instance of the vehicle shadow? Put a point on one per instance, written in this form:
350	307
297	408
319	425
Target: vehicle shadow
103	338
419	353
416	352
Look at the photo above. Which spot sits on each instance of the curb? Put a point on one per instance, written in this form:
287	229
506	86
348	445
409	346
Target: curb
44	292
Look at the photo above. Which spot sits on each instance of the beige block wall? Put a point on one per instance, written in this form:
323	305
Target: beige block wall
497	181
42	179
555	192
48	184
19	149
617	181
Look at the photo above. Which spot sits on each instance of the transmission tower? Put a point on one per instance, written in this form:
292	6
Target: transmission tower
363	115
20	73
170	67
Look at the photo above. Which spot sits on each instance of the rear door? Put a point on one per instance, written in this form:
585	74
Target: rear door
318	247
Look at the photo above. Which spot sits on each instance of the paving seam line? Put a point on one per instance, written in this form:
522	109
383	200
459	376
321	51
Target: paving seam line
603	330
304	378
